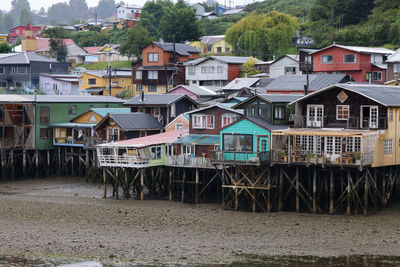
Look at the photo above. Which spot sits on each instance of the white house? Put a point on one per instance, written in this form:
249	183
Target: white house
285	65
128	11
199	9
214	70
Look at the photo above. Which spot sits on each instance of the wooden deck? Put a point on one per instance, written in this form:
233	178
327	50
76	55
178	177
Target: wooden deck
240	157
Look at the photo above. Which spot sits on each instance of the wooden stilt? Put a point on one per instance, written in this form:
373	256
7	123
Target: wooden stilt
280	202
12	163
331	192
366	189
105	182
72	162
48	162
87	160
196	201
170	184
36	163
24	163
315	191
297	190
142	184
384	190
348	189
223	187
269	177
183	186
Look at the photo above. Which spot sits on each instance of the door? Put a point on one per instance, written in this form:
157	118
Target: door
332	147
369	117
263	144
315	115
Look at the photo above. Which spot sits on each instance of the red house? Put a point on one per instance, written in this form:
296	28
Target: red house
19	32
159	71
362	64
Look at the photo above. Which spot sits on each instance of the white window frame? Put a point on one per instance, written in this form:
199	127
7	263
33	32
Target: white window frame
138	75
122	80
388	146
152	57
344	58
326	62
317	121
152	75
192	70
231	117
179	126
220	69
279	110
198	121
373	122
343	107
152	90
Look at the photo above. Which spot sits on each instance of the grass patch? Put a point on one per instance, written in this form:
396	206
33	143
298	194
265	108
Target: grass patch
103	65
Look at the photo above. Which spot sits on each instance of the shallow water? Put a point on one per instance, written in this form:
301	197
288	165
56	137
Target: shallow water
247	260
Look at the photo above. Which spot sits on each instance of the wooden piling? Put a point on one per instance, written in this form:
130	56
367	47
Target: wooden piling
315	191
297	190
105	182
12	163
24	163
280	202
170	184
366	190
142	184
183	187
348	189
331	192
36	163
196	196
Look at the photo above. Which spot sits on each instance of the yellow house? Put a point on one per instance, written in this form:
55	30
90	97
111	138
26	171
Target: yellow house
3	38
95	115
97	82
213	45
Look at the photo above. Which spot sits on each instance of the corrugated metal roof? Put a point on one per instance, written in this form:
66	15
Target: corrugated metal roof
74	99
73	125
383	94
265	124
225	59
104	111
212	39
198	90
226	106
136	121
155	99
104	73
155	139
15	98
395	57
181	49
240	83
199	139
23	58
281	98
360	49
297	82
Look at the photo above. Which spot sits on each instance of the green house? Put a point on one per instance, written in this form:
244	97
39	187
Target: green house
52	109
248	140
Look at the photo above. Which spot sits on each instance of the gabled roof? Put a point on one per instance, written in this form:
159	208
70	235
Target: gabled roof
270	98
233	11
296	82
383	94
239	83
181	49
23	58
134	121
150	140
260	122
225	106
212	39
184	116
104	111
75	99
197	90
157	100
225	59
359	49
103	73
395	57
294	58
93	49
43	44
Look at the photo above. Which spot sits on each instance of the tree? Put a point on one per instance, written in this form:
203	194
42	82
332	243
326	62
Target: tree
263	35
5	48
151	15
25	17
59	13
138	38
249	68
78	9
42	12
57	46
8	21
105	8
180	24
17	6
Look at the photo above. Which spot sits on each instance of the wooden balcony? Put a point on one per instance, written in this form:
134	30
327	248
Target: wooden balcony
189	162
345	159
122	161
355	123
240	157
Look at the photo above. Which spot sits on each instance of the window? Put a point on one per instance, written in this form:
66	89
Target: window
204	70
228	119
169	150
13	70
237	142
227	49
92	118
388	146
188	150
342	112
138	75
21	70
152	88
220	69
179	126
2	71
396	68
211	69
374	76
209	49
203	121
219	49
353	144
279	113
122	80
80	82
44	133
326	59
192	70
139	87
155	152
72	109
3	84
349	58
390	114
290	70
152	75
152	57
19	84
44	117
113	134
91	81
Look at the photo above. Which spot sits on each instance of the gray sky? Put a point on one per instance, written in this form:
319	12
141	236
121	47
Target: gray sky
37	4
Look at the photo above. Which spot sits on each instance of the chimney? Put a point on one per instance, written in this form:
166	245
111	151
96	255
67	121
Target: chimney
305	89
161	41
142	96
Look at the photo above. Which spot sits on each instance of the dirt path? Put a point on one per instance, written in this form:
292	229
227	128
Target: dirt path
68	217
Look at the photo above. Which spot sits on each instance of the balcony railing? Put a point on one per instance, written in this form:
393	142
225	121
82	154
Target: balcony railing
350	123
122	161
311	158
240	157
188	161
